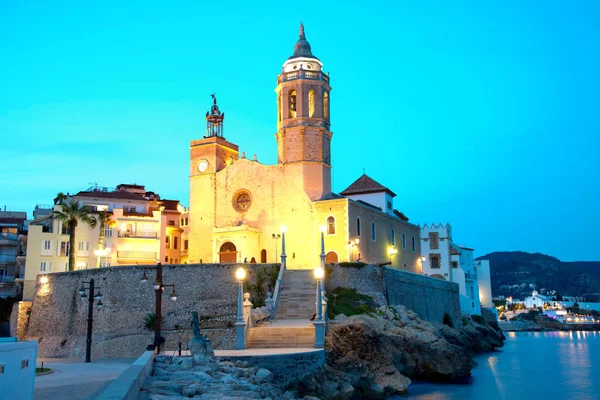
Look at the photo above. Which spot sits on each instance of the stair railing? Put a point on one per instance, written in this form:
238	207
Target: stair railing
277	290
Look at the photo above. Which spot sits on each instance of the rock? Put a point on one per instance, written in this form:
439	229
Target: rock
310	398
192	390
242	364
201	349
260	314
264	374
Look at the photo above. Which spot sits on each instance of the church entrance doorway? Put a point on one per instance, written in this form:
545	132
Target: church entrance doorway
263	256
228	253
331	257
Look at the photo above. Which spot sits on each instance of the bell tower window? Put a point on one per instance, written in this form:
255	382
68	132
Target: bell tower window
279	107
292	104
326	105
311	103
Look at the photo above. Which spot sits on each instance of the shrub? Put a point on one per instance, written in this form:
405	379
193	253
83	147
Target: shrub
348	264
150	321
478	318
349	302
465	321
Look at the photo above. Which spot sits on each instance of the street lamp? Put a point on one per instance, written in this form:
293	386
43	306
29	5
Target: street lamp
319	273
392	251
283	229
353	243
98	297
322	229
240	324
276	236
158	289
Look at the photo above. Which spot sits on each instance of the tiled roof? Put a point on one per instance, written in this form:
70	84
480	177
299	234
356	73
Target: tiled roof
364	185
117	194
401	215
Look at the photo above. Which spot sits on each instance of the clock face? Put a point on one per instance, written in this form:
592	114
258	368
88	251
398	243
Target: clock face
202	165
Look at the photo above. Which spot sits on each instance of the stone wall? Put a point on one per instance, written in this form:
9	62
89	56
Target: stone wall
286	368
430	298
59	316
19	318
367	280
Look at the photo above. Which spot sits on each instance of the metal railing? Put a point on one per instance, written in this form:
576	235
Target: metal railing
7	279
303	74
8	258
9	236
278	287
138	234
141	255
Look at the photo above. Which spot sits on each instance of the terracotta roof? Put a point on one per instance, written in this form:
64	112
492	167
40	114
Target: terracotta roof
170	204
363	185
117	194
401	215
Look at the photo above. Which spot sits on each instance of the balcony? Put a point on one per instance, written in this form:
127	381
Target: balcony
138	234
8	258
303	74
8	238
137	255
7	279
471	275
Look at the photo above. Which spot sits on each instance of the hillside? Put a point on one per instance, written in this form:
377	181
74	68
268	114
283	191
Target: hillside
512	272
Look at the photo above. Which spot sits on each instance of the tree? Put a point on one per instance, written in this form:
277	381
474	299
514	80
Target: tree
71	214
60	198
104	218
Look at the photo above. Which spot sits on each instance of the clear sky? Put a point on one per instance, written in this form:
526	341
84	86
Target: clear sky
478	113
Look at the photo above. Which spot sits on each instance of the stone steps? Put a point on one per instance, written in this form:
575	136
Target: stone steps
266	337
298	295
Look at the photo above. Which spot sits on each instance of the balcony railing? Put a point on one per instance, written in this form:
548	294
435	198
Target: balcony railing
9	236
470	275
8	258
138	234
7	279
303	74
139	255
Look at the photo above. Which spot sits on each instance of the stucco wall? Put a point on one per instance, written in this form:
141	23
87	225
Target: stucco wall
59	316
430	298
19	318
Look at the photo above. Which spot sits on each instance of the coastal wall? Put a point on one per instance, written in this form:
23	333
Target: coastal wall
430	298
19	318
58	317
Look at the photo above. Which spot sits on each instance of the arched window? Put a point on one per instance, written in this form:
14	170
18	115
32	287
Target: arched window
325	105
414	247
403	241
331	226
373	231
311	103
358	226
292	104
393	237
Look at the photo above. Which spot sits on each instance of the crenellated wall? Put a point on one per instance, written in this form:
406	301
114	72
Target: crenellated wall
59	317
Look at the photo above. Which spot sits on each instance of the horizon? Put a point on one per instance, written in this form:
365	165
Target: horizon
479	115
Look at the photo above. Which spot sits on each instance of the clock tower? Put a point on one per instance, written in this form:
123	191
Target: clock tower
208	156
303	104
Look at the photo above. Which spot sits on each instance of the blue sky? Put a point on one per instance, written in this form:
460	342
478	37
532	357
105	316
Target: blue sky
481	114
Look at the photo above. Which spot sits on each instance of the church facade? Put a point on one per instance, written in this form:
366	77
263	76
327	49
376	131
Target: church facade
238	206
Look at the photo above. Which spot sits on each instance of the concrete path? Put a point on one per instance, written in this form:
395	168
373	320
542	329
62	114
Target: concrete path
74	379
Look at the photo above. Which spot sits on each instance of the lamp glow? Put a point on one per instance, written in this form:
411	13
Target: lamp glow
240	274
319	273
322	228
156	286
173	295
423	259
44	280
357	241
283	229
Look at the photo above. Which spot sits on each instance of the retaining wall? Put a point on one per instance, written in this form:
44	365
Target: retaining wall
127	385
367	280
59	317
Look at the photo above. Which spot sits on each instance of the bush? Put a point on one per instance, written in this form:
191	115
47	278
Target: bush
266	277
349	302
150	321
465	321
348	264
478	318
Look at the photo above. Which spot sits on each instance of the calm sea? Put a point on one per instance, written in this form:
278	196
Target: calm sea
531	365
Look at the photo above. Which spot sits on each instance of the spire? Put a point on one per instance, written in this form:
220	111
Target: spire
302	37
214	119
302	47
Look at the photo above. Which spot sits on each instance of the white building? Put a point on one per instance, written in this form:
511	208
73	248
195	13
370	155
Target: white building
446	260
143	230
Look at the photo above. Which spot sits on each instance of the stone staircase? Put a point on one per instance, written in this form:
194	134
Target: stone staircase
292	326
298	295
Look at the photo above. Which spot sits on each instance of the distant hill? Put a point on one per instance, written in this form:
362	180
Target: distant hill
512	272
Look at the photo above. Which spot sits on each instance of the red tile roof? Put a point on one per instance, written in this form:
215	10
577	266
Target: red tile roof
364	185
117	194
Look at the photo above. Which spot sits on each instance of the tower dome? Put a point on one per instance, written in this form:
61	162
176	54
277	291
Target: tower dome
303	58
302	47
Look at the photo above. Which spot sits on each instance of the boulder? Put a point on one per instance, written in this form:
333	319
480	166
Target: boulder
265	375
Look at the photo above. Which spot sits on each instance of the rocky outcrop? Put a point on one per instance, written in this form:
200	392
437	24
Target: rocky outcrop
178	378
376	356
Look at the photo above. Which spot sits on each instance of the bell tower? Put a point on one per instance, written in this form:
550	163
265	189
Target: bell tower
303	118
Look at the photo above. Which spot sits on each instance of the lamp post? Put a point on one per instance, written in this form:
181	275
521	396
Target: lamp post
240	324
353	243
322	229
319	323
98	296
158	288
423	258
283	255
276	236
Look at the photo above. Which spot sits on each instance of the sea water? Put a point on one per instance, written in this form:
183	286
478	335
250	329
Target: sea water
531	365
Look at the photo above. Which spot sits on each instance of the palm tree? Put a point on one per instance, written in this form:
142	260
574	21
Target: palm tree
71	214
105	219
60	198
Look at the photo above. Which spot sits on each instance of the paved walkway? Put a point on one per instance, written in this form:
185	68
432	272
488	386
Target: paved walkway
74	379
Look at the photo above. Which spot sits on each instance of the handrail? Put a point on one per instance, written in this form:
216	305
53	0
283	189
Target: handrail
278	287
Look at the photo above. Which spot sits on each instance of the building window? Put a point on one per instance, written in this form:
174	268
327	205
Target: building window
414	245
373	235
166	259
357	226
389	205
186	221
186	244
279	107
403	241
64	249
292	104
393	237
168	241
331	226
175	239
325	105
46	245
311	103
43	266
435	261
434	243
454	264
107	231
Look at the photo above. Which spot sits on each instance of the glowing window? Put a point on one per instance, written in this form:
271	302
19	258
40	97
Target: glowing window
292	104
331	226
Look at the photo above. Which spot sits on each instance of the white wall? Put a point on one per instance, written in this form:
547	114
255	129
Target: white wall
16	382
377	199
485	285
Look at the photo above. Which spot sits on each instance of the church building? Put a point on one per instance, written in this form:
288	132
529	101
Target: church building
238	206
